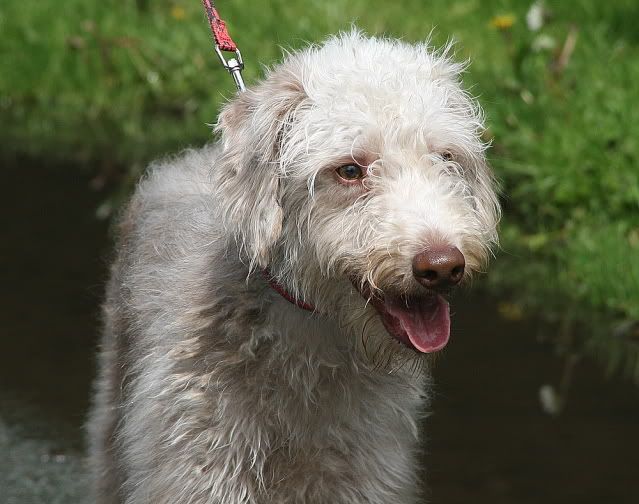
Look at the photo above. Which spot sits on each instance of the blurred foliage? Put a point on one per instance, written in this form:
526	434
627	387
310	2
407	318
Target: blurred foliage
112	84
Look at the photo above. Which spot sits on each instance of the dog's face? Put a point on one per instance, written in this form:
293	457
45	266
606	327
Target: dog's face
356	174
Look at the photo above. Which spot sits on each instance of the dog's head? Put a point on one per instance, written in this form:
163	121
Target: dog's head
355	172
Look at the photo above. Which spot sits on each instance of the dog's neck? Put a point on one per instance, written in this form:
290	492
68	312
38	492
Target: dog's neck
281	290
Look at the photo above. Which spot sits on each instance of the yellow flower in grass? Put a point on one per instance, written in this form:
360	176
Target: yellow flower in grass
503	22
178	12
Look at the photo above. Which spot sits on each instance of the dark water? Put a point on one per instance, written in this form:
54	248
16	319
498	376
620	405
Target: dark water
488	441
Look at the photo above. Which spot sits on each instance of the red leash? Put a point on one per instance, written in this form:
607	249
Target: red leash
224	43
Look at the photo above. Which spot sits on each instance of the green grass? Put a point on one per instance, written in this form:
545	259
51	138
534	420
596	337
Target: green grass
114	84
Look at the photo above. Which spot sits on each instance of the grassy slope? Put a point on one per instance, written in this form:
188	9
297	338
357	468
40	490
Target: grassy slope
116	83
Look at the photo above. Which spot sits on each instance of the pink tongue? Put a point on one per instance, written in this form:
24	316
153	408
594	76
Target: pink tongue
426	322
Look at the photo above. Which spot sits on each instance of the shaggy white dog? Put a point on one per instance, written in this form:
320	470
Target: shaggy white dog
275	294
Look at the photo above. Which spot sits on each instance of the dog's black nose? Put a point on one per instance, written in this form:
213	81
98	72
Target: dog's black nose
439	267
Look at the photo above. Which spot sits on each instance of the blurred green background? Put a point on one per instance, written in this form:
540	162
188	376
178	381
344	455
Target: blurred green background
93	90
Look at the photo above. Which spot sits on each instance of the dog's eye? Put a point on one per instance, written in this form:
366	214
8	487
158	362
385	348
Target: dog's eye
447	156
350	172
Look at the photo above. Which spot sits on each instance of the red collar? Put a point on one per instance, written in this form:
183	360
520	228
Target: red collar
279	288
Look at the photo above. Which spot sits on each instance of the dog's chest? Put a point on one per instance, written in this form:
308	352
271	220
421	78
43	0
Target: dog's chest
346	427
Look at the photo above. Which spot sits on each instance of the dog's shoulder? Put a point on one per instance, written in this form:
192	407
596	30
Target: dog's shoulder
179	178
168	235
174	196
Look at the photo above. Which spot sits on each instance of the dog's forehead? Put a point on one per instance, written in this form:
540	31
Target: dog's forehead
386	88
390	100
372	75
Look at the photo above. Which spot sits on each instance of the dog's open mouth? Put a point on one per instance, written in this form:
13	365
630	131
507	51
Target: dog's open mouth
420	322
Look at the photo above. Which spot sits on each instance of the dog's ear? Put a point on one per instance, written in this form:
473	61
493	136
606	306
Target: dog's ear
252	126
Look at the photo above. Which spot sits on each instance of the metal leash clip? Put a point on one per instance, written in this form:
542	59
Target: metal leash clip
234	66
224	43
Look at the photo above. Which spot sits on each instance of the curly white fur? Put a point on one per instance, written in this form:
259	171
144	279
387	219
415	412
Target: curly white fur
213	388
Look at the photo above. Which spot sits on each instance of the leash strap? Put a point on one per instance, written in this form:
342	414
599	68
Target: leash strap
218	27
224	43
